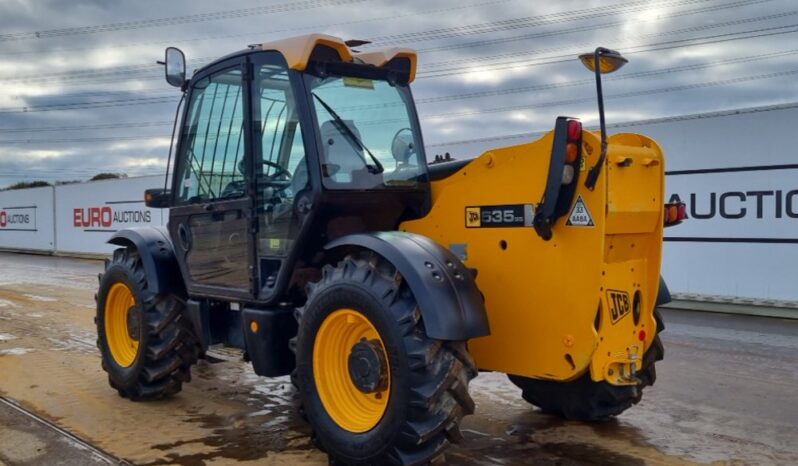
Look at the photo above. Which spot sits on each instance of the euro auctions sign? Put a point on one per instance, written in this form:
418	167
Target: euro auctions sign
111	217
18	218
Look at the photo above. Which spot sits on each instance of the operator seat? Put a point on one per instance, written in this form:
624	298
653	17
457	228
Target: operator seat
342	161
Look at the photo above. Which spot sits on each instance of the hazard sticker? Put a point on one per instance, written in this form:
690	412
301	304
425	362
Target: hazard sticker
580	216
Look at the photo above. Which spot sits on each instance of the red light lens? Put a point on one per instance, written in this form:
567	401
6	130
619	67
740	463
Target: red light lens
642	335
682	211
574	130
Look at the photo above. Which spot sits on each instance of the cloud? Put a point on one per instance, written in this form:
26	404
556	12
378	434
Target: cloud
120	66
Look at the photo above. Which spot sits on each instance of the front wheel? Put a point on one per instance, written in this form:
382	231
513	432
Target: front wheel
147	349
374	387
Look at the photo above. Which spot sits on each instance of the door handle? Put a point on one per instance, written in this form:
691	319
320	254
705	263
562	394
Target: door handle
184	236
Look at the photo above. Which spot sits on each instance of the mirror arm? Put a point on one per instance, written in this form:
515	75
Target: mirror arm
594	172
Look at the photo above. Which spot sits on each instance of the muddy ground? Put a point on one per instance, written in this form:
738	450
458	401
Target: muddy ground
727	394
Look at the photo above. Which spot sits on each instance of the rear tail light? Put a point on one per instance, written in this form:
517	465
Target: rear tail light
674	213
567	174
572	150
562	177
574	130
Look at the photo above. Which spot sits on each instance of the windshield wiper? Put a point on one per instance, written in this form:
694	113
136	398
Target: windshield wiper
347	131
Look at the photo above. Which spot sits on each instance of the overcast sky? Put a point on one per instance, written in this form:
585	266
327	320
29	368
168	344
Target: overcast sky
80	91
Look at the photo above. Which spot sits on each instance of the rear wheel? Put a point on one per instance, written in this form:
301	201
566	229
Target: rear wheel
147	350
586	400
374	387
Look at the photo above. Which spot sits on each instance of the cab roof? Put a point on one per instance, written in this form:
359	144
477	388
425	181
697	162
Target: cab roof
300	50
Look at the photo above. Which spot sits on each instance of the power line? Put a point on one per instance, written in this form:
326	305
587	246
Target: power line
423	35
722	6
315	27
459	96
627	50
639	74
46	172
647	92
584	44
627	124
175	20
454	70
91	105
547	60
533	21
135	124
565	84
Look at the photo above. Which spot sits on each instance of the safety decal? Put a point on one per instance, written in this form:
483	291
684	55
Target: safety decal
362	83
580	216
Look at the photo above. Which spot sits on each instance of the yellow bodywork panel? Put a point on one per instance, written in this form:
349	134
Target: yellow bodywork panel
543	296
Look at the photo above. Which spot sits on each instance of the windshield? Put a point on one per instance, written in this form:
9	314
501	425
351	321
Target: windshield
367	133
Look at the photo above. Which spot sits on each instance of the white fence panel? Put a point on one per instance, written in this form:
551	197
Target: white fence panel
738	174
87	214
26	219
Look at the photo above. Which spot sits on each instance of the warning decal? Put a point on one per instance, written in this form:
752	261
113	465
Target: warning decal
580	216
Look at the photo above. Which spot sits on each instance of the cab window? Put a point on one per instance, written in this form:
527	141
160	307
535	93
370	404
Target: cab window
212	156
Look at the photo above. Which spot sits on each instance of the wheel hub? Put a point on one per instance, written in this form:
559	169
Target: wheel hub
133	323
350	364
367	366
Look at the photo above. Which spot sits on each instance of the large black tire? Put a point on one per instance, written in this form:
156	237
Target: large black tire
586	400
429	378
166	347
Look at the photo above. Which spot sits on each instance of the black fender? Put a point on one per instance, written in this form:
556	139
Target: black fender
157	256
450	302
664	294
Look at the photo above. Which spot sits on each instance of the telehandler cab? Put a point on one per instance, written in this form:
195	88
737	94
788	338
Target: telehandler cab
307	231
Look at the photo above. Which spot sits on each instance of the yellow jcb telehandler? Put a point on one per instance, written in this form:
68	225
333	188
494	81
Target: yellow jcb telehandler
307	231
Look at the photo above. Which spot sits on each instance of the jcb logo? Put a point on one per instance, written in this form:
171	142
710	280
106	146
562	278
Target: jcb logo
473	218
619	304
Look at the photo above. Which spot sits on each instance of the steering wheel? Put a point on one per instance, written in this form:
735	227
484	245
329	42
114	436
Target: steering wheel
280	172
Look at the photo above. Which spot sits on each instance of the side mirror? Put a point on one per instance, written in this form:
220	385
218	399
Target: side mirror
175	66
157	198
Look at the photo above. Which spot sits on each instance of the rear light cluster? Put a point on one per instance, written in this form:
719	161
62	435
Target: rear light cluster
572	150
675	212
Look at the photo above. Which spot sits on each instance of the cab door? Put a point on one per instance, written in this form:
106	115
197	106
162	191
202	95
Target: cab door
211	219
282	154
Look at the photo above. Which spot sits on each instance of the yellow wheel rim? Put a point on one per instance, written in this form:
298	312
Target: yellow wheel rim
117	306
349	407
